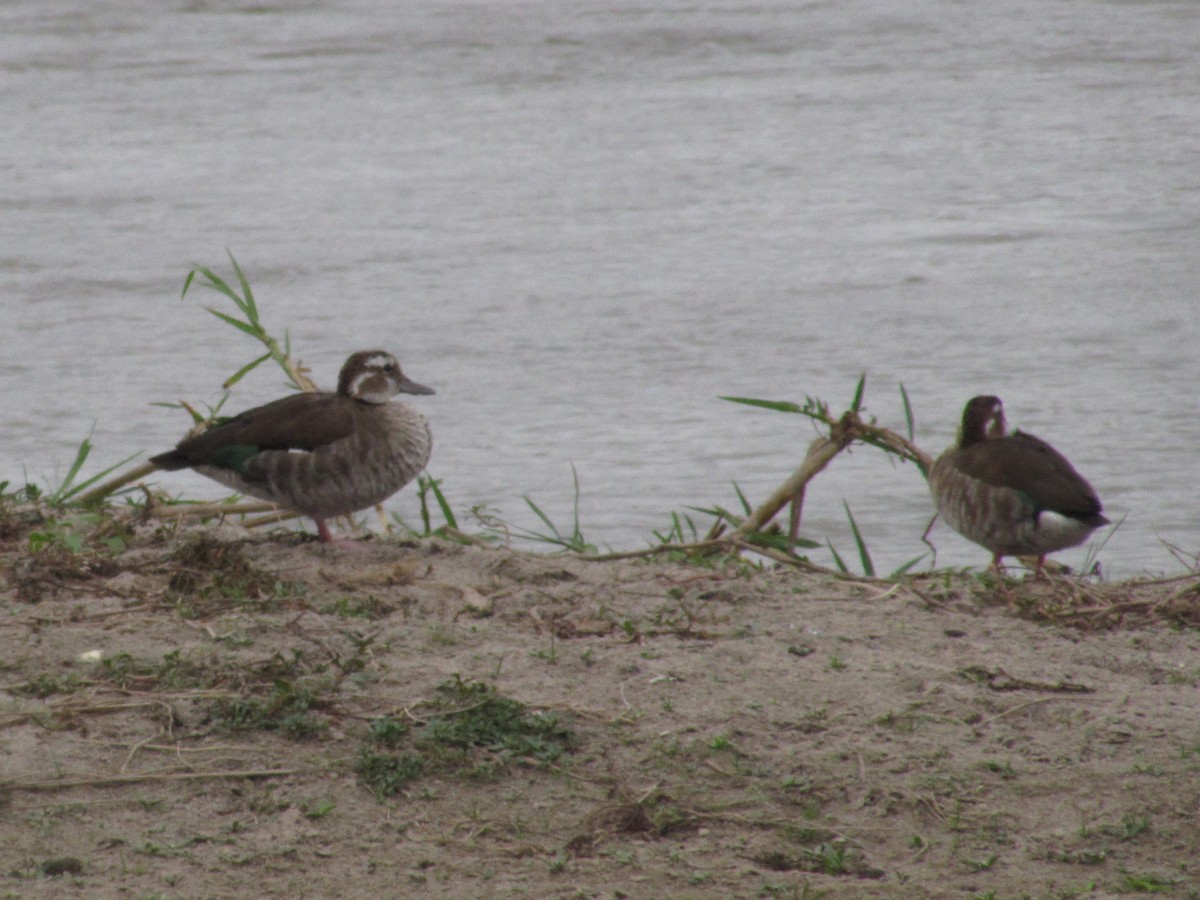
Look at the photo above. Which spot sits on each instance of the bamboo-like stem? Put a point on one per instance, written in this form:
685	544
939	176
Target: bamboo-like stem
182	510
842	433
820	453
115	484
274	517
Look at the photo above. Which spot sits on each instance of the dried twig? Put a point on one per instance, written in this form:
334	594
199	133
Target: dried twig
81	780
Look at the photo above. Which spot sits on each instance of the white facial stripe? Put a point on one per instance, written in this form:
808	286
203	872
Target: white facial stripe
372	386
379	361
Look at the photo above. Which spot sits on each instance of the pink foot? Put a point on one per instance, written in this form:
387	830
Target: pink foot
326	537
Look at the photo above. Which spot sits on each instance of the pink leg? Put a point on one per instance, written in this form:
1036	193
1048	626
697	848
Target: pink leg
326	537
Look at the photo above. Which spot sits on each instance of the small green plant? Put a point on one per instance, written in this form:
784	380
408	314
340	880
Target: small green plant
831	858
84	532
250	324
1132	825
288	709
864	555
468	727
548	654
317	809
385	774
1003	769
573	541
46	685
1149	884
68	488
682	530
429	494
427	485
721	743
981	865
388	731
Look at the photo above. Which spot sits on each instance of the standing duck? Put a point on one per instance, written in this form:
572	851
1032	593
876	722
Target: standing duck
1013	494
322	454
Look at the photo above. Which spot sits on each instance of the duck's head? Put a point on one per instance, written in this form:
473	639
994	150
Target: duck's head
374	376
983	419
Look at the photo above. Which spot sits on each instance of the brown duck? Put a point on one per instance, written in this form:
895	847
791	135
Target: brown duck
1011	493
322	454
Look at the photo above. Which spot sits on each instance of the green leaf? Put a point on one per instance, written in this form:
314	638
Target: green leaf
447	513
719	512
214	283
84	485
742	497
248	305
541	515
777	405
837	559
908	565
856	404
250	328
81	455
863	554
240	373
908	413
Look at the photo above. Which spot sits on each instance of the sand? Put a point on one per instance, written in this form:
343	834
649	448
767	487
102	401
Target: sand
730	729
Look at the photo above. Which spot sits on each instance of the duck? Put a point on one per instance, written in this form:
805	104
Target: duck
322	454
1013	494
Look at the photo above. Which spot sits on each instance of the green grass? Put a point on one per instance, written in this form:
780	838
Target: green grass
571	540
469	728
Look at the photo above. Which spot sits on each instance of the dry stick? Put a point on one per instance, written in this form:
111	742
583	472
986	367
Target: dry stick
842	433
698	546
1020	706
820	453
211	509
113	780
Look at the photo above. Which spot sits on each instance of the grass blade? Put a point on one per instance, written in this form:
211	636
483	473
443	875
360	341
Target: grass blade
249	328
837	559
856	405
537	511
63	490
447	514
213	282
742	497
777	405
84	485
908	413
902	570
249	307
863	554
241	373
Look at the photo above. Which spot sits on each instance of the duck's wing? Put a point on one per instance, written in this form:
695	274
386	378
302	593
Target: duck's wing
299	422
1026	463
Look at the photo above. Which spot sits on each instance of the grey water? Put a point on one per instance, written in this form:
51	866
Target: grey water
583	223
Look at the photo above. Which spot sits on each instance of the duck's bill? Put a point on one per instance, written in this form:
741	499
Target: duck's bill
408	386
